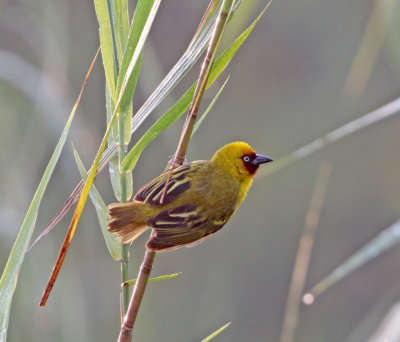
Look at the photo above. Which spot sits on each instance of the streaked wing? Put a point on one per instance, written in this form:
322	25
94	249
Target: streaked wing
180	226
175	219
151	193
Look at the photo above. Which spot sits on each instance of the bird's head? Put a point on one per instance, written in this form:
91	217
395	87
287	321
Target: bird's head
239	159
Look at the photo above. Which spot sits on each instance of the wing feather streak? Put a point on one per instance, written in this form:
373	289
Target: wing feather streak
152	192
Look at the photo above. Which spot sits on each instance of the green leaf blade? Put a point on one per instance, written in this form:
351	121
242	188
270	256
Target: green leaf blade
156	279
183	103
215	333
121	15
114	247
107	45
9	277
115	177
144	10
162	123
209	107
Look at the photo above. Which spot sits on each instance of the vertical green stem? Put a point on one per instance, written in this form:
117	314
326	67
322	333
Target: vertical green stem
124	251
125	334
122	152
124	278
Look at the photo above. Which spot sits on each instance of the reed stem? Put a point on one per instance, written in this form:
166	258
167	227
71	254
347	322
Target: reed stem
125	334
144	273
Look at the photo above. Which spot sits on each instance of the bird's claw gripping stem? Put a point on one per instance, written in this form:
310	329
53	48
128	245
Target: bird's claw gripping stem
175	165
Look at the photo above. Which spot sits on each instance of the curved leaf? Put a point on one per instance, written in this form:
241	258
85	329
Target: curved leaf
9	277
114	247
183	103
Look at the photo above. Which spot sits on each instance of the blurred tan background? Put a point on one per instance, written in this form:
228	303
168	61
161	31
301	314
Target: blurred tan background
287	88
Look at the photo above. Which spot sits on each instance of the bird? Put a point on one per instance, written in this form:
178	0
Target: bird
199	199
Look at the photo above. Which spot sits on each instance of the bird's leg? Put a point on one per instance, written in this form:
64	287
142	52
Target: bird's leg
175	165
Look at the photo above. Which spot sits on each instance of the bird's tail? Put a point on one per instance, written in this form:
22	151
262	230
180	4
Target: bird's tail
127	220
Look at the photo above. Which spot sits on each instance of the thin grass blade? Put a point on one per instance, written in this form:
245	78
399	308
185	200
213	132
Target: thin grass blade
8	280
5	307
142	13
70	202
114	247
179	70
175	112
121	19
9	277
217	332
77	214
108	48
388	110
155	279
126	76
210	106
380	244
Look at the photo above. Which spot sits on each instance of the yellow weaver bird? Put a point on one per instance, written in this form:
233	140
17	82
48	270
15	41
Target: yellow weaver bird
199	199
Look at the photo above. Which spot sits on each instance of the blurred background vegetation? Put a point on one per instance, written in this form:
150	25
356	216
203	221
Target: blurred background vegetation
289	85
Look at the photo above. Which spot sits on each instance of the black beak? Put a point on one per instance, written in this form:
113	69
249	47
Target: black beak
259	159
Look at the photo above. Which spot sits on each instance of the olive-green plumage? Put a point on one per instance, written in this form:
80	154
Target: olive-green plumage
199	199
